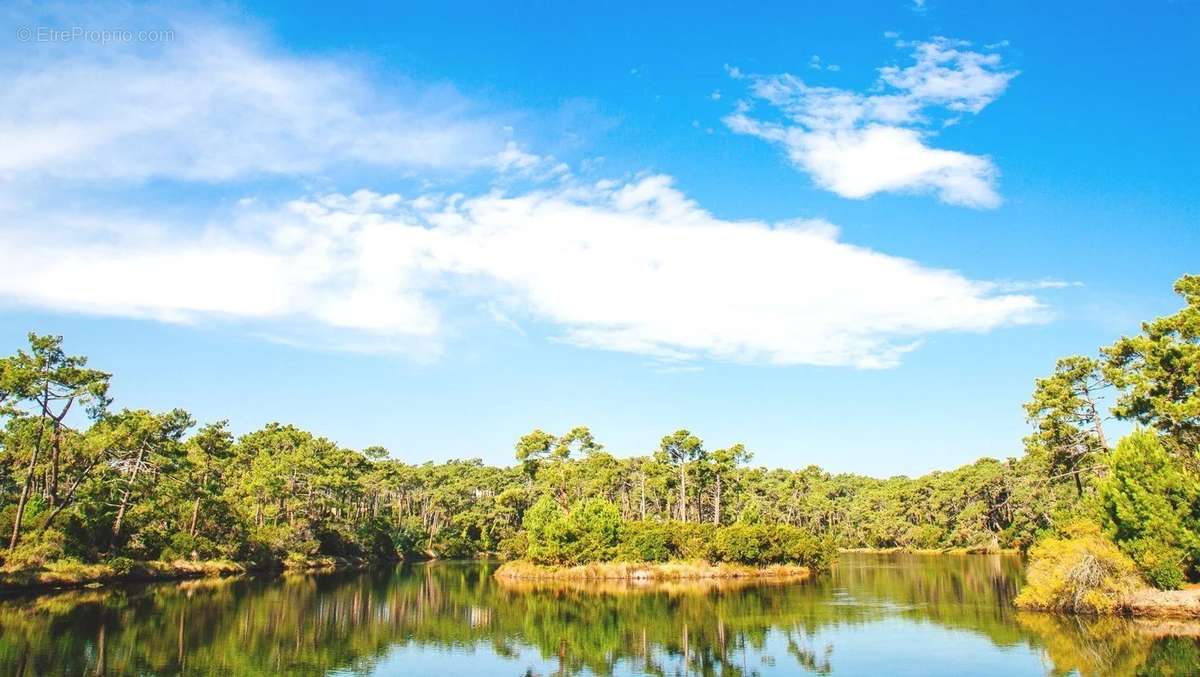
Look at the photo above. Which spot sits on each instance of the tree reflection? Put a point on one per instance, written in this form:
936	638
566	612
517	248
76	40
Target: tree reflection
352	622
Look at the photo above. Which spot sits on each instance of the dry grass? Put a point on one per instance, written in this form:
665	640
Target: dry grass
644	571
69	573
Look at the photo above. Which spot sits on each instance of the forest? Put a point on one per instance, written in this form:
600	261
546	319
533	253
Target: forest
83	481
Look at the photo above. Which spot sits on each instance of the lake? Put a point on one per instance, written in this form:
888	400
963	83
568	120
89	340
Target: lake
873	614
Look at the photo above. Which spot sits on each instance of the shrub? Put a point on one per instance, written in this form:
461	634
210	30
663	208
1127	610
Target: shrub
1084	572
593	526
451	544
37	550
408	538
121	566
186	546
692	541
1158	562
336	542
593	532
922	537
545	524
1150	507
645	542
514	546
742	544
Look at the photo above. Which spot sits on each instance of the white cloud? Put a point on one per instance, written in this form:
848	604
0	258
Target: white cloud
632	265
857	144
628	266
216	104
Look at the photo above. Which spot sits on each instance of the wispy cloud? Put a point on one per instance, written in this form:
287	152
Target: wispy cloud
217	103
630	266
858	144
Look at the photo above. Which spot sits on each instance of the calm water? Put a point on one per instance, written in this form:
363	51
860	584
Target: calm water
874	614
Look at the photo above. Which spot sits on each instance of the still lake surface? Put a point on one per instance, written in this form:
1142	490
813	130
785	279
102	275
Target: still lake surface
872	615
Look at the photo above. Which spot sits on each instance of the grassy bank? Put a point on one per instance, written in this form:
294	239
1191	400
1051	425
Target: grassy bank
634	571
70	574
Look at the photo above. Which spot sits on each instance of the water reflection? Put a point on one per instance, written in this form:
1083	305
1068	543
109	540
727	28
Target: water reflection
896	614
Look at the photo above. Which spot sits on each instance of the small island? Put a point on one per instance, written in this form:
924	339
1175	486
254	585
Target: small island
650	571
591	542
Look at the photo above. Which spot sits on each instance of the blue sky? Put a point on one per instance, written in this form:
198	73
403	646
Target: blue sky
843	234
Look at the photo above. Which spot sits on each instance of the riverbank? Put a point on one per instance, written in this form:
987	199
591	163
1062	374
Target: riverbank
648	571
1151	603
1143	603
68	574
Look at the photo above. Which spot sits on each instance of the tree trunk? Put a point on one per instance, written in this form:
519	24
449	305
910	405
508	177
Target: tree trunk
52	483
643	497
137	467
682	492
717	503
69	497
28	484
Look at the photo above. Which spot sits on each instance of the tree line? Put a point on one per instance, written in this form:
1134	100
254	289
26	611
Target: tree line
82	480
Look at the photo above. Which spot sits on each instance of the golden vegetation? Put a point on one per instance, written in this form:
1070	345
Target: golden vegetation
644	571
1084	573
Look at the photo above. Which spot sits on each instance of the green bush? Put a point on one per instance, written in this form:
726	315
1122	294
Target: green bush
645	542
742	544
1159	563
452	544
546	525
121	566
514	546
691	541
922	537
37	550
1150	507
186	546
408	538
594	526
592	531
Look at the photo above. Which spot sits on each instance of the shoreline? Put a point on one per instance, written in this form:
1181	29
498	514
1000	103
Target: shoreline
1145	603
1164	604
648	571
65	576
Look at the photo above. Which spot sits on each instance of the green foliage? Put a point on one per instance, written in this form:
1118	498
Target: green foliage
1161	564
408	537
40	550
121	566
148	485
1068	431
645	542
593	532
546	526
514	546
1158	373
1150	506
594	526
